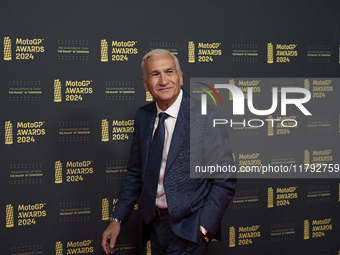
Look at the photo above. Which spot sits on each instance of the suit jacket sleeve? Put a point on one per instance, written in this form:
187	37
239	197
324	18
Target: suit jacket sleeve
131	187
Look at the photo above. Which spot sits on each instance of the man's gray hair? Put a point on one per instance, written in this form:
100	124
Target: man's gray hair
158	52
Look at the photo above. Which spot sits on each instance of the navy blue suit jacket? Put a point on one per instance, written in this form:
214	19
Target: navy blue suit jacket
191	201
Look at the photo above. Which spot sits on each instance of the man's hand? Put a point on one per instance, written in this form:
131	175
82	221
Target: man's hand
110	236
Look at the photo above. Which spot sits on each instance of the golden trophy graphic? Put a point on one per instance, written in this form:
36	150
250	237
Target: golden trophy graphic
7	49
306	229
231	237
9	216
306	159
270	197
306	84
191	52
58	248
104	56
105	130
148	248
57	91
58	172
149	97
270	53
105	209
231	82
8	132
270	126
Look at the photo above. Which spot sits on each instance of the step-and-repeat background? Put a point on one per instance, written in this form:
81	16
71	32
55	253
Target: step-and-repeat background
71	83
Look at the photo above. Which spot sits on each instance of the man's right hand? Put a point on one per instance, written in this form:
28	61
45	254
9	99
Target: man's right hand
110	236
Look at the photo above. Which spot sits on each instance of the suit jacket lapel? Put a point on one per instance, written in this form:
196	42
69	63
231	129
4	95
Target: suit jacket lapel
181	131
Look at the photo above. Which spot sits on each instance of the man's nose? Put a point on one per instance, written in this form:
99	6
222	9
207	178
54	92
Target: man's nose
163	79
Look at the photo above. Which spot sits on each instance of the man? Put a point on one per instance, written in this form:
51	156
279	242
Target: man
184	213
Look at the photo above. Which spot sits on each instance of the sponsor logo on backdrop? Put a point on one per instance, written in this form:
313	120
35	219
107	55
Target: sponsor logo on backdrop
148	248
57	91
245	235
284	196
281	53
7	49
121	130
59	248
278	158
31	249
245	199
320	160
24	91
206	52
76	171
74	211
115	169
74	131
104	51
58	170
75	247
121	51
246	161
270	200
282	232
73	50
25	49
27	214
270	53
306	229
169	46
232	237
27	132
75	90
8	132
245	53
119	91
318	194
149	97
9	216
317	228
318	53
105	209
191	52
105	130
321	88
26	173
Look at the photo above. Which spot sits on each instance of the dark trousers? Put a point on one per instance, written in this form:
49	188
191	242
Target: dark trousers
165	242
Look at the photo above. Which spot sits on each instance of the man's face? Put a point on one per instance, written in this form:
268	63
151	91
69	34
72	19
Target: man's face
163	80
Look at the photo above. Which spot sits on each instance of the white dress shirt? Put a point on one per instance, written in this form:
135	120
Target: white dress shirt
169	125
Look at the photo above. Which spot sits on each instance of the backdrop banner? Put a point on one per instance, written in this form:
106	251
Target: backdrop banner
71	84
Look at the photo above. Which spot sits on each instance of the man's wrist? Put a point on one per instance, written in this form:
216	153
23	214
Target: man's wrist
114	219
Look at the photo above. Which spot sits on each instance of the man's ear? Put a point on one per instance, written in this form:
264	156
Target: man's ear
145	85
181	78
